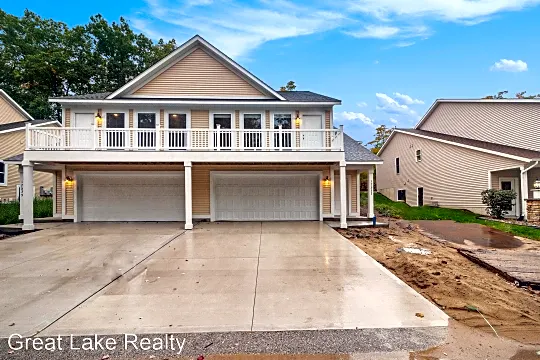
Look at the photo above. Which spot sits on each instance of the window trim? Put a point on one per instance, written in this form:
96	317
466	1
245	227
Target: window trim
126	119
136	118
211	122
179	111
397	195
273	114
397	166
258	112
418	155
6	166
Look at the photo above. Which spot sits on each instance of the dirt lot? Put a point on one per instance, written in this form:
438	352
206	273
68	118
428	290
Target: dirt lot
452	282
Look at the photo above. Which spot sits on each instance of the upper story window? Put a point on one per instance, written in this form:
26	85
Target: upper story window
116	120
223	120
177	121
418	155
3	173
397	165
146	120
285	120
252	121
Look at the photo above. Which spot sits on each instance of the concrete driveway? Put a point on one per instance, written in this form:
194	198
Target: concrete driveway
251	277
45	274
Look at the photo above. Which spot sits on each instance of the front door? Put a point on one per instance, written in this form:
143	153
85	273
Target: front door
312	139
83	136
510	184
420	196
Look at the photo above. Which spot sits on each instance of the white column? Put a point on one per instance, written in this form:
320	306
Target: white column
524	193
358	202
371	203
188	197
343	196
28	196
21	182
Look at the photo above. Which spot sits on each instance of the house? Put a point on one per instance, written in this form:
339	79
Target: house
460	148
13	121
197	136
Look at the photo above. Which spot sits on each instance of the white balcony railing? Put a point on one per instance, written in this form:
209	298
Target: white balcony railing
41	138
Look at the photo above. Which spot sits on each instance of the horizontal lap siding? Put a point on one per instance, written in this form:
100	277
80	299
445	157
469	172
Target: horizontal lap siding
489	122
198	74
450	175
58	194
8	114
199	119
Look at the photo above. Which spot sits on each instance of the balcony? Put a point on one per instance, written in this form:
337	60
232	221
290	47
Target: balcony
95	139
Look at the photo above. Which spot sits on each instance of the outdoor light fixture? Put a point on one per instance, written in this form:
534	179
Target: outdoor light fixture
537	184
69	179
326	181
99	119
298	120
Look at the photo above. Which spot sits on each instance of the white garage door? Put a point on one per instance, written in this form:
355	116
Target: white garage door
131	197
266	197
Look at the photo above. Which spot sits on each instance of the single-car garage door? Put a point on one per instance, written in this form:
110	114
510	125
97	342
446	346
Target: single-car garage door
126	196
267	196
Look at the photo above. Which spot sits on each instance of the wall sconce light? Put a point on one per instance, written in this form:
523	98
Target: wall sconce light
99	120
327	181
298	121
69	179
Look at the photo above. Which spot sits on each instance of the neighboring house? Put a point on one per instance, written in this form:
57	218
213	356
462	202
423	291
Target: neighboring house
460	148
13	121
197	136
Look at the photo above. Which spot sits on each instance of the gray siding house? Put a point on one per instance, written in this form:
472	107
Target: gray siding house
460	148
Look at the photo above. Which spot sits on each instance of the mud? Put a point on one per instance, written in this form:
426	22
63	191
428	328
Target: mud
470	234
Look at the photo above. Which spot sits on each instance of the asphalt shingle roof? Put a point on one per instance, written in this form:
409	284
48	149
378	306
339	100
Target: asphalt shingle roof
510	150
355	152
21	124
16	158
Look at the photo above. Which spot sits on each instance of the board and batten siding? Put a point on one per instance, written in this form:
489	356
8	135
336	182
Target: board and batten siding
199	75
13	143
451	176
489	122
8	114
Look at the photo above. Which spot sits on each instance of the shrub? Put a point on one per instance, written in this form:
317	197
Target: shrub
9	212
498	202
387	211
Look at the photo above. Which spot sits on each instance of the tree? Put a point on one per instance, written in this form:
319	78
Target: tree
382	133
519	95
291	86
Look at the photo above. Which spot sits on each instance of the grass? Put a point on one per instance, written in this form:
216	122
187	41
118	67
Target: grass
9	212
389	208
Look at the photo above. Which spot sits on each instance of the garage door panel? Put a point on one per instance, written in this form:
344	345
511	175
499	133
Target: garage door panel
132	197
266	197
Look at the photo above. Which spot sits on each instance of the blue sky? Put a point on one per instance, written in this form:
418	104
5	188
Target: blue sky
387	60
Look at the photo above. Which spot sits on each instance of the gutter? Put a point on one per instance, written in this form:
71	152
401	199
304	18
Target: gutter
191	102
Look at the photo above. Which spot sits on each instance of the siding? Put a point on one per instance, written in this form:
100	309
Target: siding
13	143
450	175
199	74
67	118
8	114
489	122
200	119
58	194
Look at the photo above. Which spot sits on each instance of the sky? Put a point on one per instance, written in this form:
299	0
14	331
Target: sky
387	60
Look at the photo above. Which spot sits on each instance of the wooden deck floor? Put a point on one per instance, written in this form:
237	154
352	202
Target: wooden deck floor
517	266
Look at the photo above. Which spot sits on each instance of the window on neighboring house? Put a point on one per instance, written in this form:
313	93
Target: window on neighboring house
401	195
418	155
397	165
3	173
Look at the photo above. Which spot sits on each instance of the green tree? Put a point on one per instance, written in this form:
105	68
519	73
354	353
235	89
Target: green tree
382	133
291	86
519	95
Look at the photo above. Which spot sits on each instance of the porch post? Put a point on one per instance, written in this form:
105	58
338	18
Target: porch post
371	204
343	195
28	195
524	192
188	196
358	187
20	194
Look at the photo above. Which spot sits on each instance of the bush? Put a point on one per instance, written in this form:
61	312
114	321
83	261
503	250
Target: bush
9	212
498	202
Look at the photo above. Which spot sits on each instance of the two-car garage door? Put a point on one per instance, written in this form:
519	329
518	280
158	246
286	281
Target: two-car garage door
267	196
149	196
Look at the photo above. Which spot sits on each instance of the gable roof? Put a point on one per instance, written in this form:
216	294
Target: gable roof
482	101
179	53
16	106
483	146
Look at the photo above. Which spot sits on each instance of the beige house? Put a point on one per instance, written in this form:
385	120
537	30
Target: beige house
197	136
460	148
13	121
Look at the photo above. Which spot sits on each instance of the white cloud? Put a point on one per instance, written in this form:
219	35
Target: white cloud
352	116
403	44
510	66
361	104
393	121
389	32
391	106
407	100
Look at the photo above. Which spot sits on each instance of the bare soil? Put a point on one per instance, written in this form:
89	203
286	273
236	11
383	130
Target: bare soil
452	282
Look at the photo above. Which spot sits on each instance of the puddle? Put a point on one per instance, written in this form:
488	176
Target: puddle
470	234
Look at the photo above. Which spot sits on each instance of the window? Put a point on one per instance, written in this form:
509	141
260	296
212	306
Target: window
115	120
223	140
401	195
253	138
147	123
285	121
397	165
3	173
115	139
177	137
418	155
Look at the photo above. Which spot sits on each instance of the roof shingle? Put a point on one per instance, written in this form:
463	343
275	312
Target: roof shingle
22	124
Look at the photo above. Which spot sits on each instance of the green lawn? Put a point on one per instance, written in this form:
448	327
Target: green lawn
389	208
9	212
